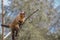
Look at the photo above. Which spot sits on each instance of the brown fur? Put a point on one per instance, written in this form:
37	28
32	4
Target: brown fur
16	24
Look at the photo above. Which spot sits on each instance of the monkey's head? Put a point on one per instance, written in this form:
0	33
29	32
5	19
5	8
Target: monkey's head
22	17
22	14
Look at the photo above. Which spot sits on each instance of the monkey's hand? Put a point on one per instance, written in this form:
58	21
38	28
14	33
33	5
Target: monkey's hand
20	22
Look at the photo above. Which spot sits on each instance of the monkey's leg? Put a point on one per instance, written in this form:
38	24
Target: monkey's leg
16	30
13	37
16	33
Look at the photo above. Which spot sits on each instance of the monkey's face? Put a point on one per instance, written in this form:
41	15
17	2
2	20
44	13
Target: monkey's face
22	15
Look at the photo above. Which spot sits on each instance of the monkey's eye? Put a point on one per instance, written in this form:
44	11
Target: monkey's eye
23	13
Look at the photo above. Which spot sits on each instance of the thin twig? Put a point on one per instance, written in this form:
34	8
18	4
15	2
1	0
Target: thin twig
30	15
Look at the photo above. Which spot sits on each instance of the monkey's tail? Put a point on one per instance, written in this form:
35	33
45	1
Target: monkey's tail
3	25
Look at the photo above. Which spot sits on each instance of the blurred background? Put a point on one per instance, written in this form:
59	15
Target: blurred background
43	25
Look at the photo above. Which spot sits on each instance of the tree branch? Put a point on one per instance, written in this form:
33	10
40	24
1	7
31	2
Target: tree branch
30	15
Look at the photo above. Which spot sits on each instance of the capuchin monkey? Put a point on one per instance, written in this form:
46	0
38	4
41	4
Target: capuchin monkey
16	24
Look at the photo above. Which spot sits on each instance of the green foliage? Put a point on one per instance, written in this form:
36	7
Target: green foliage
36	27
30	32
